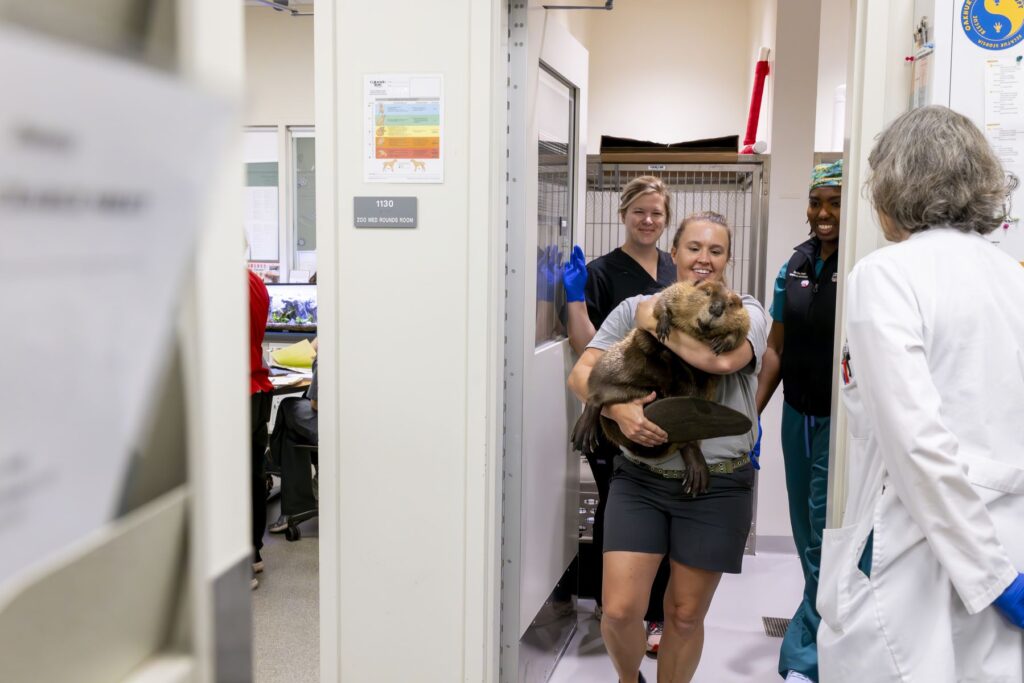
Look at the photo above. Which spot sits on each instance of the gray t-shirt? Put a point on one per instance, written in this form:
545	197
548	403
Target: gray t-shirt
736	391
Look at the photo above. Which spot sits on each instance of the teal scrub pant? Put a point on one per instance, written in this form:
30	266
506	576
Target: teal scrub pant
805	449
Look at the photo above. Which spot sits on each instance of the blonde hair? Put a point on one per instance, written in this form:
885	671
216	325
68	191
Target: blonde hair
644	185
707	217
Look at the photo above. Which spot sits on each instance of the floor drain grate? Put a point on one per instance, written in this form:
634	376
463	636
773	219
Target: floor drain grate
775	627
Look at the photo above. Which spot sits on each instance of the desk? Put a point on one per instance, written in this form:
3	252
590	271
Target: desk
282	390
288	384
282	338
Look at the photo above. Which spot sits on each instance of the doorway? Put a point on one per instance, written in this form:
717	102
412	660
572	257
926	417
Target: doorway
547	108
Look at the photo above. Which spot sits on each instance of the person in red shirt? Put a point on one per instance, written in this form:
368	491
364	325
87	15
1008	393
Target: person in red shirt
260	392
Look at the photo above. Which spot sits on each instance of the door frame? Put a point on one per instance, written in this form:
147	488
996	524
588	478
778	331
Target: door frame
533	38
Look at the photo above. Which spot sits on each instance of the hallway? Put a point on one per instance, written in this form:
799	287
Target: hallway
736	649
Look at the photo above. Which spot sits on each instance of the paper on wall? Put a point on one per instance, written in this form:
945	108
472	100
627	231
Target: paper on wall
1004	109
104	166
261	223
403	136
1004	128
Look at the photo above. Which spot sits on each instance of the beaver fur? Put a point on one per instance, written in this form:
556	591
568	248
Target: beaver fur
640	364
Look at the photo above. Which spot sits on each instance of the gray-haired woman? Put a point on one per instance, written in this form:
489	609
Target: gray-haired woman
933	381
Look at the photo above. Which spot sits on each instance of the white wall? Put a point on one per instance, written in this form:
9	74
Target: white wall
278	68
410	356
794	76
665	70
279	94
576	21
834	43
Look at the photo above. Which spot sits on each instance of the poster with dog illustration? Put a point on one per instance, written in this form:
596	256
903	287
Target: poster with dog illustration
404	119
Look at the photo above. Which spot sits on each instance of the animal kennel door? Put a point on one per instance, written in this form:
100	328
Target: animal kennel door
546	176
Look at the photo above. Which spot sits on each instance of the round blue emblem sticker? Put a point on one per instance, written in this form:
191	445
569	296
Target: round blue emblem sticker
993	24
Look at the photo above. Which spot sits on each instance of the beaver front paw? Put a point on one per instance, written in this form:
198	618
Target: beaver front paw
664	327
719	345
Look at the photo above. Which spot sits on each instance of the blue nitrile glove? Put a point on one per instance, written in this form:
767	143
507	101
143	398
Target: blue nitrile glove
755	454
1011	602
574	276
548	272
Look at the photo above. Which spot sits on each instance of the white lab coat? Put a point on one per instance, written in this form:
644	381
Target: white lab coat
935	327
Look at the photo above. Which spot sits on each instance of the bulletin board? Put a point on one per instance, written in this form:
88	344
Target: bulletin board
986	83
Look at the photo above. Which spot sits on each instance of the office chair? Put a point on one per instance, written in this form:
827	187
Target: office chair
292	533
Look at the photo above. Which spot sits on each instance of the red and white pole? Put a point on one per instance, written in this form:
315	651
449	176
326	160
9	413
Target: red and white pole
760	73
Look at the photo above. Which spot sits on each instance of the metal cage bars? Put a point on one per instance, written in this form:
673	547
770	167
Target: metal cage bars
735	190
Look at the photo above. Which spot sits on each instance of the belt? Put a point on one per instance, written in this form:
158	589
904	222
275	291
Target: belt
723	467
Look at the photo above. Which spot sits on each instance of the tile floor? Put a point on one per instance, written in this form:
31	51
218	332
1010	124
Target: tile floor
736	649
286	607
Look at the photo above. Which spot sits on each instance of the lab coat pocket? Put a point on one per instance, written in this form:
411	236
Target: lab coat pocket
995	475
840	551
855	417
1000	486
840	582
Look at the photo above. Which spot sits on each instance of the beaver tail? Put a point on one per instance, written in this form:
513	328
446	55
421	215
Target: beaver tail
585	434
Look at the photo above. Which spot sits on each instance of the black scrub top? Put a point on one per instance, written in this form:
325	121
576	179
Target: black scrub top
614	277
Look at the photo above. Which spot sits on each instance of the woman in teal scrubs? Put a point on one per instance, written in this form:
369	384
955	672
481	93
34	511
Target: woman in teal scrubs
800	352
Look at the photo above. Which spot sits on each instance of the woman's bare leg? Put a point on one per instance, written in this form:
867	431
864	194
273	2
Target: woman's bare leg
686	604
626	588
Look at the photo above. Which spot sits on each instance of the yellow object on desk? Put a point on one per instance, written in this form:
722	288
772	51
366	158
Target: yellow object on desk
298	355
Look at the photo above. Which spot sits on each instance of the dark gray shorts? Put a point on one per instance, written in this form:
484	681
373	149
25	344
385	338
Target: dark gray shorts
650	514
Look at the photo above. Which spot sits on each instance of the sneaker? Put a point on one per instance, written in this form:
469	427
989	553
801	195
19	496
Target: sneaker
255	583
257	563
654	631
279	526
598	612
798	677
563	608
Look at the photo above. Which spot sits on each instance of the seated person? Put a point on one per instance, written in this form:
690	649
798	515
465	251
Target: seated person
296	425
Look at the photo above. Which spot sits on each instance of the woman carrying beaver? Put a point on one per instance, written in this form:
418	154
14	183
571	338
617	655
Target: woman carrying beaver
648	514
592	291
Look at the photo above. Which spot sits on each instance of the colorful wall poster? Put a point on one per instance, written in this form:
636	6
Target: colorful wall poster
404	128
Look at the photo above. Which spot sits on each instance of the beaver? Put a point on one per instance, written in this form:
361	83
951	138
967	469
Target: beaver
640	364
